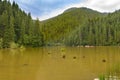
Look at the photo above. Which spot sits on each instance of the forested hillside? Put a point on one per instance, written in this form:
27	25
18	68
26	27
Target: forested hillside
58	28
75	27
17	27
83	26
97	31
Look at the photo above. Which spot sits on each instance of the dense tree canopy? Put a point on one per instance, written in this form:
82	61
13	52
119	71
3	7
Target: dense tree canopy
58	28
83	26
17	27
97	31
76	26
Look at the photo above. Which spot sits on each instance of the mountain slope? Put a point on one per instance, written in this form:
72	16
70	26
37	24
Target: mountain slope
102	31
58	28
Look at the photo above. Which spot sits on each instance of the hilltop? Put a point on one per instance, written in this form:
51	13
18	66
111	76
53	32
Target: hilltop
58	28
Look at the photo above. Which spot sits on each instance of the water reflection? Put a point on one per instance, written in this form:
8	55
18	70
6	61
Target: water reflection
17	65
59	63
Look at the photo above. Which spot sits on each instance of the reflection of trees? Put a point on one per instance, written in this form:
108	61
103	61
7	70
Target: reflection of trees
1	55
94	57
25	64
20	65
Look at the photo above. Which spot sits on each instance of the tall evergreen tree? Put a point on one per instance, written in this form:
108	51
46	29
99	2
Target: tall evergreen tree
37	38
17	27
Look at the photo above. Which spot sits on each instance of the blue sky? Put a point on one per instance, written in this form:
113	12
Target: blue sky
44	9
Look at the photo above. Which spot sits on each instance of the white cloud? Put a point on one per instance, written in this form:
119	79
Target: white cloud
102	5
53	13
99	5
50	15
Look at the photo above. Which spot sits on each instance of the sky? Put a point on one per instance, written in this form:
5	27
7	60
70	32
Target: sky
45	9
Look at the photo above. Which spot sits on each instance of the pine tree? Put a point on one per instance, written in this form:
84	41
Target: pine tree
37	38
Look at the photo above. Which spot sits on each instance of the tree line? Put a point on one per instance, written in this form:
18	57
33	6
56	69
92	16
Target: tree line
75	27
17	27
99	31
58	28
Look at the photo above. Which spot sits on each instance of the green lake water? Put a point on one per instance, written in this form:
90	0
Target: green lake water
59	63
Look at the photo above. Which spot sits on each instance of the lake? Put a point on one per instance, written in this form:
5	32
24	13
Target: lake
59	63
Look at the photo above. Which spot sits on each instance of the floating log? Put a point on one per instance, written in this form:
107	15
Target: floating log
63	56
103	60
74	57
